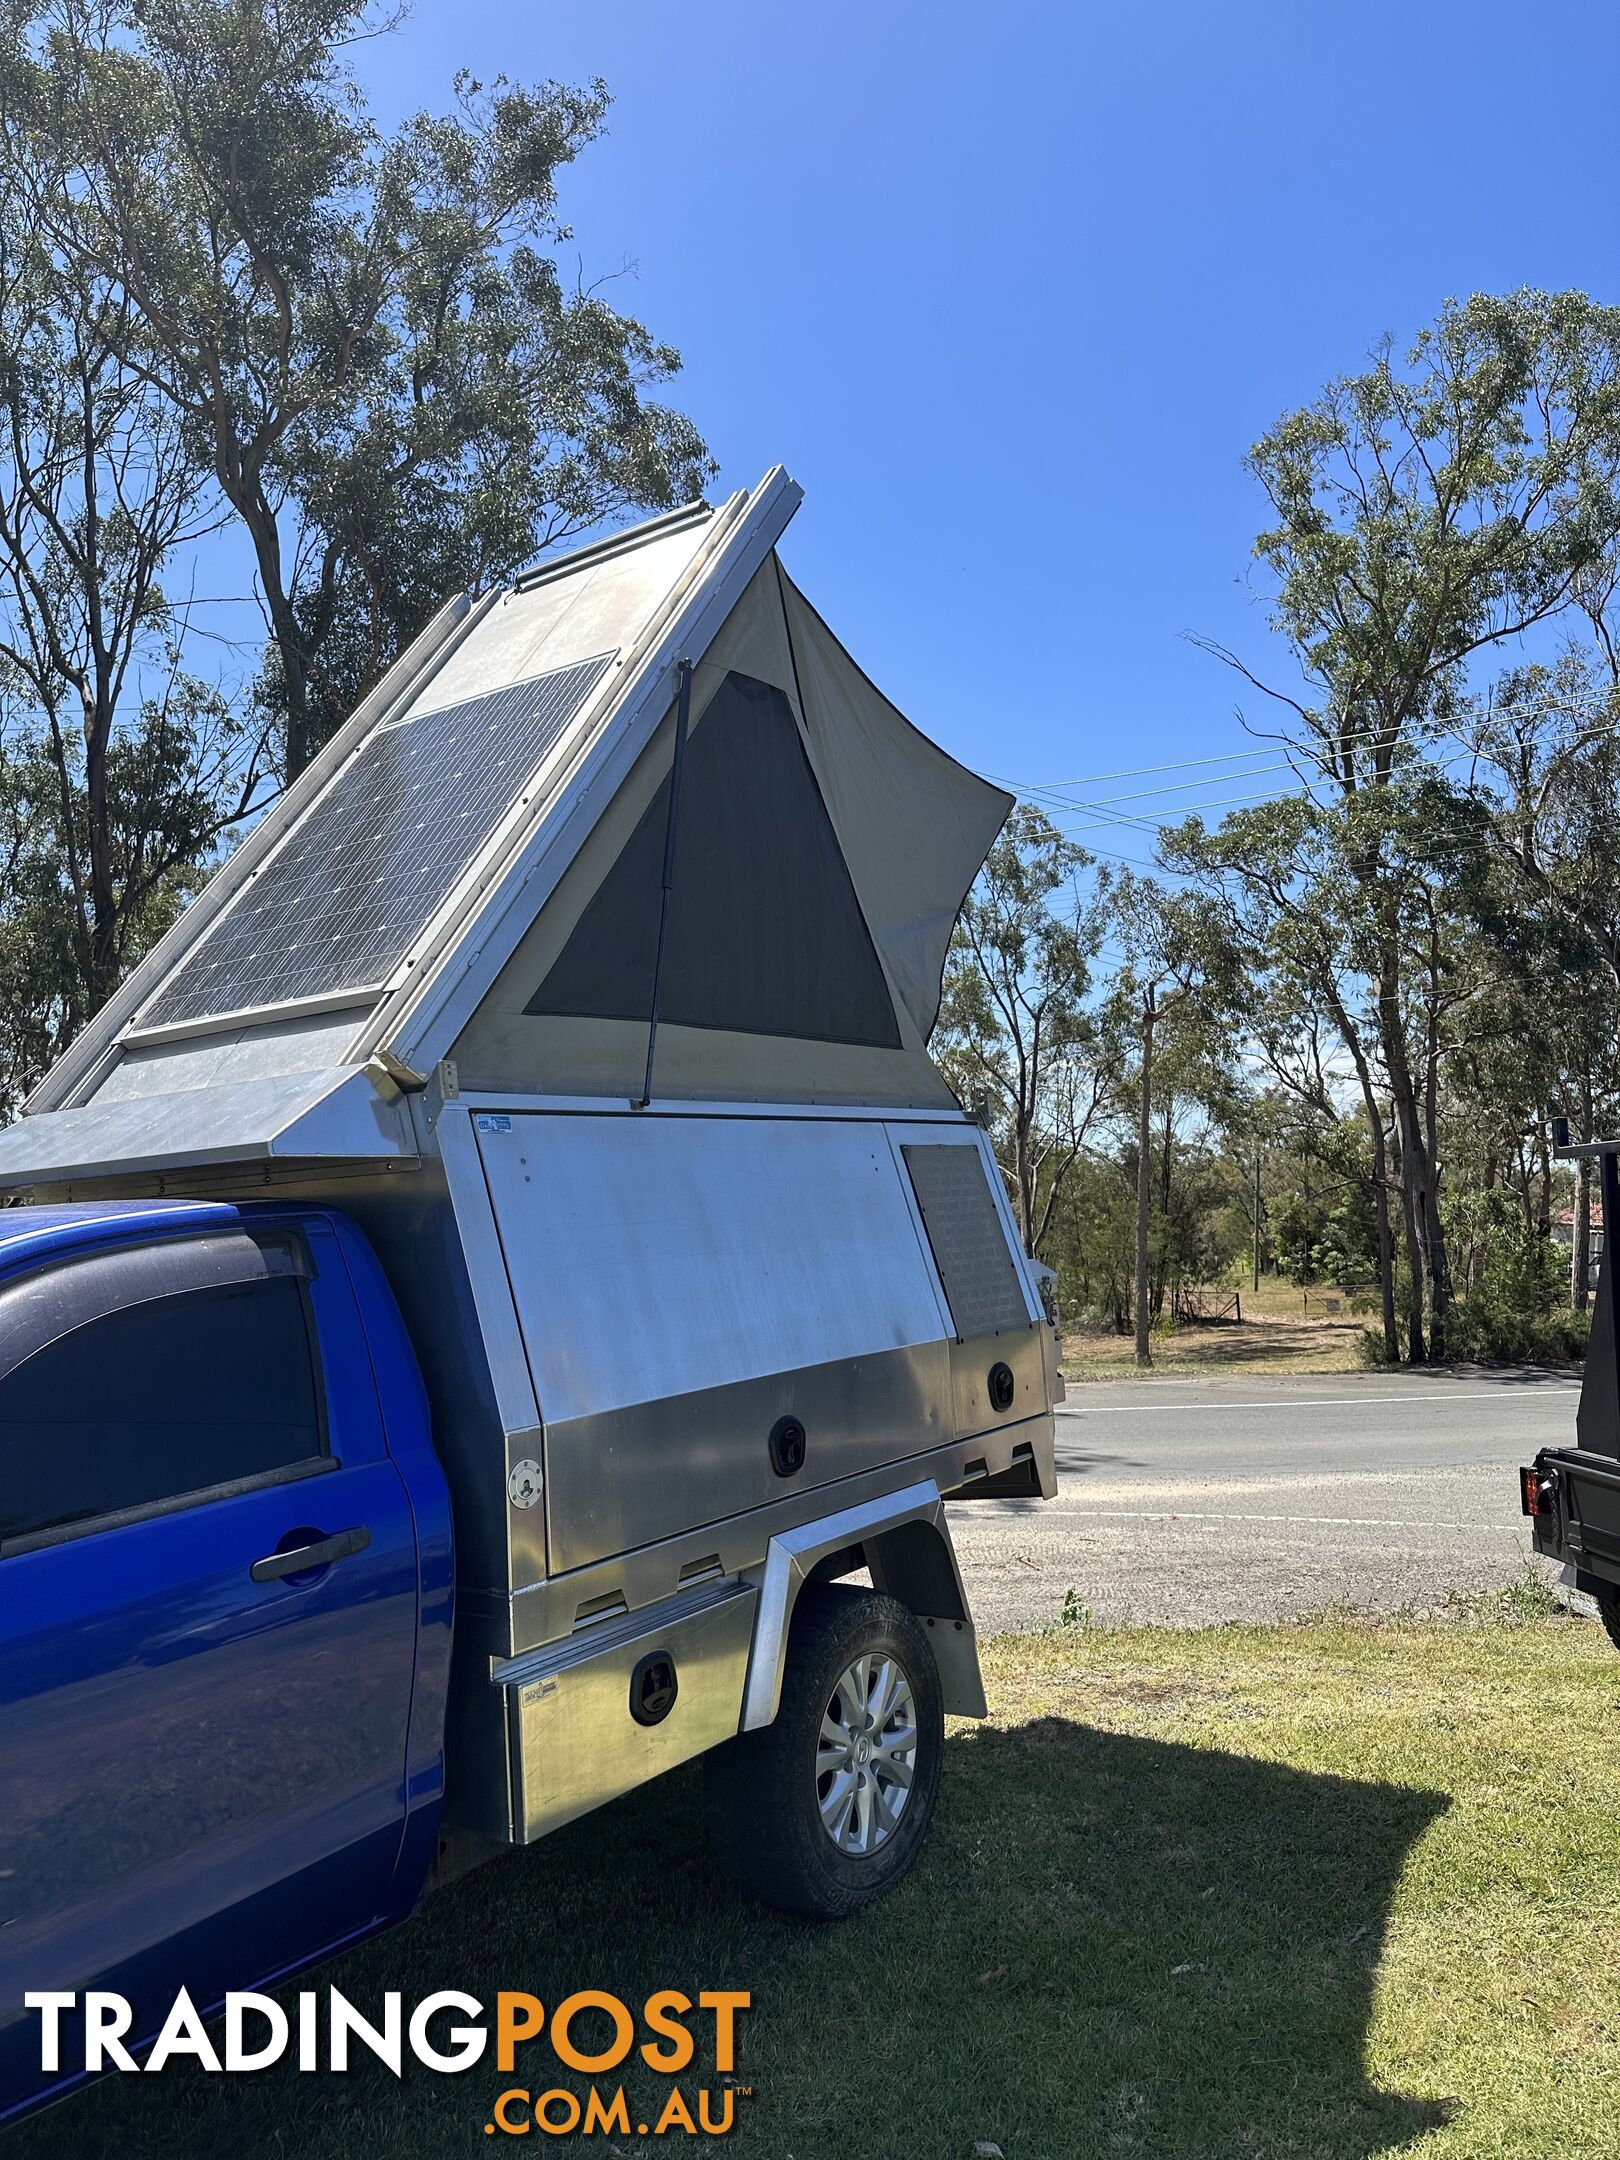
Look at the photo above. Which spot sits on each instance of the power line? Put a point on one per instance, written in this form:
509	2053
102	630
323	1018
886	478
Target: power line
1179	787
1049	796
1068	810
1226	802
1134	862
1141	772
1554	707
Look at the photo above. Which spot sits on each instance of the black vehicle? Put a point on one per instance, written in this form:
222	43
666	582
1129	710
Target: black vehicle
1572	1495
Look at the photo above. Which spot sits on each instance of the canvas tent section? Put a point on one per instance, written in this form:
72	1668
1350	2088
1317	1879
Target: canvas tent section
821	850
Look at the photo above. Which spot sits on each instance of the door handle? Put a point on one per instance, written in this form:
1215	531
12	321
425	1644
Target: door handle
304	1557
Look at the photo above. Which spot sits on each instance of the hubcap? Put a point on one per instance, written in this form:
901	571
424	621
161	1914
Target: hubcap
866	1754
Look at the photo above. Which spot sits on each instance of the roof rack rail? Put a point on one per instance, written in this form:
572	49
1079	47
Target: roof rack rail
630	536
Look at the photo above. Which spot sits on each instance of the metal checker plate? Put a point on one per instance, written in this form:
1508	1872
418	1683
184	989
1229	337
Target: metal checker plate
970	1250
365	869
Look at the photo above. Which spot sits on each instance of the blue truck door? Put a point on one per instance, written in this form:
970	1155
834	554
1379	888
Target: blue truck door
208	1611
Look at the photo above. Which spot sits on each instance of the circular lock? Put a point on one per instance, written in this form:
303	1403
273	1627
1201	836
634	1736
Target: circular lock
1002	1387
523	1486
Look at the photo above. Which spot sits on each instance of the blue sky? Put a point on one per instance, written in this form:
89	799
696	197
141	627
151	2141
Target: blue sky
1011	289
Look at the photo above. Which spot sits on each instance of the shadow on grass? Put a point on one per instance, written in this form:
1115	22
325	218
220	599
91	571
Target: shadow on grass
1112	1945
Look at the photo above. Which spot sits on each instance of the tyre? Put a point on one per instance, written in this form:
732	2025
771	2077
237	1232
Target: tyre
1608	1605
826	1809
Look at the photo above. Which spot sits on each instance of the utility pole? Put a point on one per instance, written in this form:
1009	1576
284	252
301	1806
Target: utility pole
1257	1222
1144	1180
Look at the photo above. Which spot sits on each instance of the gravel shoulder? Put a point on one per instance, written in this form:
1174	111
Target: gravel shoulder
1256	1498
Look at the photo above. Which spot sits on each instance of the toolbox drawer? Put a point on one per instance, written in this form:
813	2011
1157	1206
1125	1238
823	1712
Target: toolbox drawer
576	1741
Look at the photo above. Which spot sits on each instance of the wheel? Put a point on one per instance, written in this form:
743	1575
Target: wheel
826	1809
1608	1605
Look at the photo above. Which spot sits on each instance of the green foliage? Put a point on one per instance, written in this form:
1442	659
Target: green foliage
120	768
1346	1253
1372	1351
1422	512
1527	1601
228	295
1019	1028
1484	1331
172	776
368	336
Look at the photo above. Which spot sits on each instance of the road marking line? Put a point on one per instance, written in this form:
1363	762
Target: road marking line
1307	1402
1338	1522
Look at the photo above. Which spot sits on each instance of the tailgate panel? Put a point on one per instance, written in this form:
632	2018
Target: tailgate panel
1589	1505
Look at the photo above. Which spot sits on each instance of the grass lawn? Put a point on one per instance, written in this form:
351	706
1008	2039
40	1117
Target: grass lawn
1332	1890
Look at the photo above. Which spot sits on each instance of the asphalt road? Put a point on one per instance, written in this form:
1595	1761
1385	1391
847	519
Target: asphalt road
1232	1498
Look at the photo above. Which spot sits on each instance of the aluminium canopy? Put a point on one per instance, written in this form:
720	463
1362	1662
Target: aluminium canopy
472	870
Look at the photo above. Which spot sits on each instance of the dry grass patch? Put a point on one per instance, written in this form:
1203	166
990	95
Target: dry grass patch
1283	1330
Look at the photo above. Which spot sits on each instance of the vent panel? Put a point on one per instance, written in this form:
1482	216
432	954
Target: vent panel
965	1234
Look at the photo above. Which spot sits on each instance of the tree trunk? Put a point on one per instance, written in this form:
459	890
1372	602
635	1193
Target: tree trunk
1580	1248
1434	1237
1382	1228
1544	1168
1386	1257
1164	1165
1413	1247
1416	1345
1144	1184
1434	1254
1350	1036
1257	1220
1024	1177
246	495
1425	1243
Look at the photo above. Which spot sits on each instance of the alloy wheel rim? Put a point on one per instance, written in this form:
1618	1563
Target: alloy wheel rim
866	1754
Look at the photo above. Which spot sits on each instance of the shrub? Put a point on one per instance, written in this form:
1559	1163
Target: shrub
1370	1350
1480	1330
1481	1333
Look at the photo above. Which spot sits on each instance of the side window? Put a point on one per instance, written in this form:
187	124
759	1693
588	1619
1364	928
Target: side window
158	1400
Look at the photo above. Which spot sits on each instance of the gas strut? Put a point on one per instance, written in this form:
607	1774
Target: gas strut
683	707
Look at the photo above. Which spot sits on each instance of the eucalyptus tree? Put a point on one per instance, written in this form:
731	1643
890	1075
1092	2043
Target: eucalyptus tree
1542	745
370	335
1180	971
1422	511
1022	1025
1199	1100
1544	755
1274	872
120	768
1328	900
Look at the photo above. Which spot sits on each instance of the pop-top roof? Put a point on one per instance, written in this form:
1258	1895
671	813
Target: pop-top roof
474	869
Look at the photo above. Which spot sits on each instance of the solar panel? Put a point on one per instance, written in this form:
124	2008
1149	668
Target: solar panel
337	905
